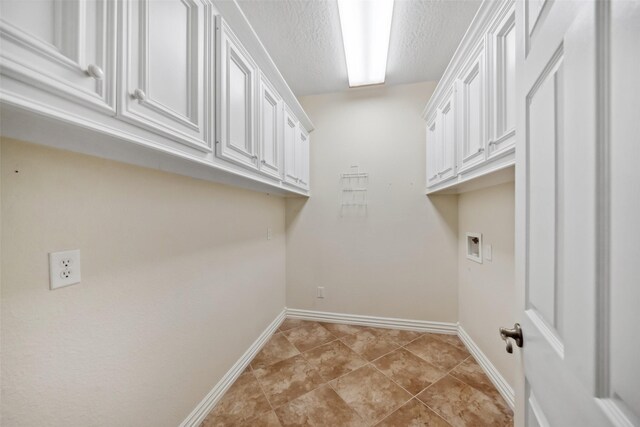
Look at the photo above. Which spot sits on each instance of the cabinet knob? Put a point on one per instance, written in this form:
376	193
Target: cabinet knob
95	72
139	95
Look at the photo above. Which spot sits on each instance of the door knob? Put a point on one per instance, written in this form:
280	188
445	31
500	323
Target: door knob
514	334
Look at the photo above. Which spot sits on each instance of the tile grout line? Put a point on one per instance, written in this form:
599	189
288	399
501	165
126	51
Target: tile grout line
399	406
329	332
426	388
263	392
307	362
471	385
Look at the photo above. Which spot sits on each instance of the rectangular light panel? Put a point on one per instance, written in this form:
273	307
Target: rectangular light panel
366	28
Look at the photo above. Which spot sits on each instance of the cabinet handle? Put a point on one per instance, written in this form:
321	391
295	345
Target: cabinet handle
480	150
254	157
95	72
264	162
139	95
434	176
491	143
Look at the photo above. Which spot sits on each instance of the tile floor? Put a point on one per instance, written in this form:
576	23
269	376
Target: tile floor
326	374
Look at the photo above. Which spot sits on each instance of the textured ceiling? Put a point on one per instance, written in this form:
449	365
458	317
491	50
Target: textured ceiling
304	39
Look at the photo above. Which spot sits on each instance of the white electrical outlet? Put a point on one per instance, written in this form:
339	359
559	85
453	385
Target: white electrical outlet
64	268
320	292
269	233
488	252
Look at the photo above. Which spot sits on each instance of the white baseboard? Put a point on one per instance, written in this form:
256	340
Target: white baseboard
374	321
200	412
496	378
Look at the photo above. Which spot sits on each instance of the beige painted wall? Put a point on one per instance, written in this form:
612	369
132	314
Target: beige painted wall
398	260
178	279
486	291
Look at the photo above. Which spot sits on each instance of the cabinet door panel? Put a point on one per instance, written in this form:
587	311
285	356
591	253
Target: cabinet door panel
306	157
433	157
303	159
237	79
472	112
290	148
270	140
447	138
66	47
166	58
502	77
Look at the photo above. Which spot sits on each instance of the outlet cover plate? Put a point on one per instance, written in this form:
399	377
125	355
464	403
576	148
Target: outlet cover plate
64	268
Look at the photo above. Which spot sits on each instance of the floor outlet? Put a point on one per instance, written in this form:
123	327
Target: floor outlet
64	268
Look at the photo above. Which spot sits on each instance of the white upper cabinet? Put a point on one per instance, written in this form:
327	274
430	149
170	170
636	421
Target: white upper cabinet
471	114
237	80
181	85
290	147
269	136
441	138
502	94
303	158
447	136
165	60
433	152
66	47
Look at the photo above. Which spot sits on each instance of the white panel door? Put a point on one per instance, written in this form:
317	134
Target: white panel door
290	147
269	137
66	47
502	78
166	68
447	136
433	152
237	80
576	247
471	111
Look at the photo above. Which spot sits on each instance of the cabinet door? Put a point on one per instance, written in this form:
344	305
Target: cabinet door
433	153
303	158
290	148
502	73
471	116
447	138
237	79
166	68
270	142
66	47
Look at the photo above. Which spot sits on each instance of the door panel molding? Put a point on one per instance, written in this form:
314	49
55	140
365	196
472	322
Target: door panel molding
61	67
139	103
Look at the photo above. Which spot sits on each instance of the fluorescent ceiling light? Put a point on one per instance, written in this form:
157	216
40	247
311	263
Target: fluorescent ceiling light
366	28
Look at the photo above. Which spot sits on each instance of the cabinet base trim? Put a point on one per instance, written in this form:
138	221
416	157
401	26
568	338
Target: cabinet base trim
197	416
506	391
